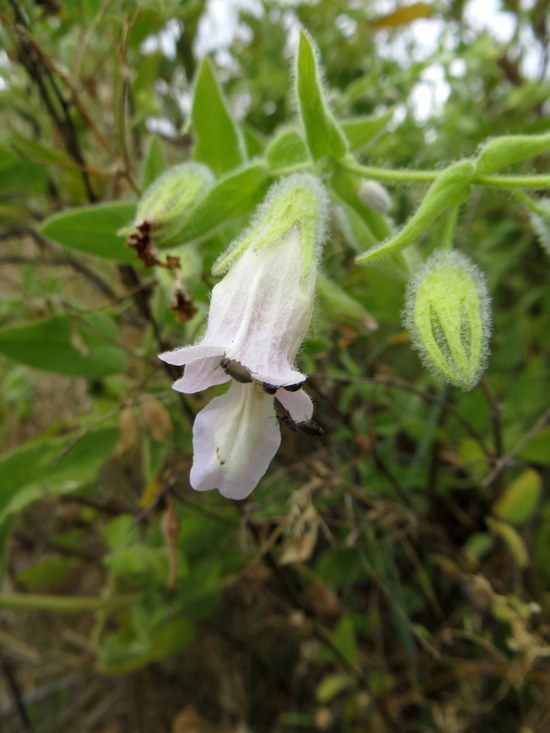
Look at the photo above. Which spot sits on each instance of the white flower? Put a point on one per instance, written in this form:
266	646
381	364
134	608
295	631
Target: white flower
259	315
236	436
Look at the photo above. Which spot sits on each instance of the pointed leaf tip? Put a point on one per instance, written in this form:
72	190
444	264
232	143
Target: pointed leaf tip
323	134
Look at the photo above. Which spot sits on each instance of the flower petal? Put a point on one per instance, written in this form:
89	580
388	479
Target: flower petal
234	439
261	310
201	374
298	404
187	354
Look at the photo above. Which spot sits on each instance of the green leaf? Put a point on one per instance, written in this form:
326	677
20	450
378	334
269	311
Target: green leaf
503	151
93	229
520	498
536	449
477	546
513	541
323	134
45	571
154	164
77	346
219	141
18	174
129	649
254	141
448	189
359	131
286	149
344	639
340	307
331	686
235	195
41	468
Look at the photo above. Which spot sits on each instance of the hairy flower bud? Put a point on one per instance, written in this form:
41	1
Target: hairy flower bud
373	195
169	201
448	315
259	315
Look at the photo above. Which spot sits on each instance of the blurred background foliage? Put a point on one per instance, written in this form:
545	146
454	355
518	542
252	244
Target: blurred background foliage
391	576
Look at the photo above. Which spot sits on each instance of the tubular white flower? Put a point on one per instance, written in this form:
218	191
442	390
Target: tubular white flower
261	310
259	315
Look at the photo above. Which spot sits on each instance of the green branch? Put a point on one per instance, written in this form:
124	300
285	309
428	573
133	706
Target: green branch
41	602
407	176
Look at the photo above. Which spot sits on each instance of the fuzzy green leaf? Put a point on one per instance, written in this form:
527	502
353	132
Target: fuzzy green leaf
503	151
359	131
76	346
154	164
448	189
219	140
93	229
287	149
520	498
323	134
235	195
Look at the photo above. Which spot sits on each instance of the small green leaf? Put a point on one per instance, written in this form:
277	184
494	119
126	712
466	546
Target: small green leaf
286	149
448	189
344	639
359	131
133	647
234	195
477	546
43	468
536	449
219	141
93	229
332	685
323	134
520	498
513	541
503	151
45	571
154	164
76	346
253	141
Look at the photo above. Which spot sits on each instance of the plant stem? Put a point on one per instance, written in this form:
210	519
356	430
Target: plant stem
406	176
39	602
448	231
530	203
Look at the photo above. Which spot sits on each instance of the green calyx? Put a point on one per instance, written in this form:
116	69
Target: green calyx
447	313
170	200
298	200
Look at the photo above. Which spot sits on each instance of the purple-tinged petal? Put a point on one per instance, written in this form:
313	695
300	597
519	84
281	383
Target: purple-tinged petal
280	377
234	440
261	310
298	404
200	375
187	354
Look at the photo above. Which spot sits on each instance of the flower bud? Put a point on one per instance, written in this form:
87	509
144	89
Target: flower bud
448	315
374	196
168	202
